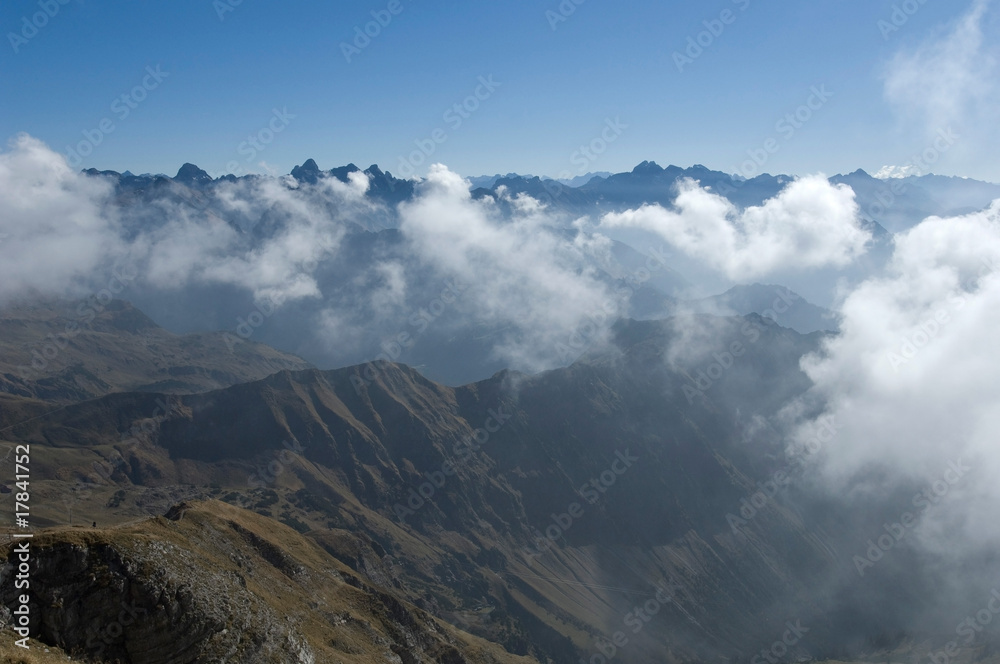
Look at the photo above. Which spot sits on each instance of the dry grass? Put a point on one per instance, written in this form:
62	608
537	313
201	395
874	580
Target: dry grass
37	653
341	616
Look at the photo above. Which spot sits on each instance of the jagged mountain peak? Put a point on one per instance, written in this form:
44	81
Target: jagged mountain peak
192	175
648	168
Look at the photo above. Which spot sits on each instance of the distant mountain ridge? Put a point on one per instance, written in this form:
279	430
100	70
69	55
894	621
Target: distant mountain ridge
892	204
785	307
355	448
66	351
539	512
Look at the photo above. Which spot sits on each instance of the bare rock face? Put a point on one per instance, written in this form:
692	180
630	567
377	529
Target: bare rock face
219	585
111	604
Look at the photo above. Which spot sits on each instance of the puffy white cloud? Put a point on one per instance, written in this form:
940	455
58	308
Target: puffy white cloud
60	231
810	224
522	276
912	379
947	77
56	229
281	267
948	84
891	172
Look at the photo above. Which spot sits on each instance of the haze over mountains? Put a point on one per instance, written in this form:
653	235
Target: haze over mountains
896	203
667	415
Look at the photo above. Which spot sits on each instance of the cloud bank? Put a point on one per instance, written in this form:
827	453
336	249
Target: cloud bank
911	381
524	277
56	227
947	78
948	83
810	224
62	231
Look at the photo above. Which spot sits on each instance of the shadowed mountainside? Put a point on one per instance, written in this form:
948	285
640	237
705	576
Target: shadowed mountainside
68	351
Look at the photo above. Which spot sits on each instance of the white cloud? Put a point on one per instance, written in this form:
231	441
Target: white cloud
810	224
949	83
522	276
308	225
943	79
61	231
911	380
58	231
894	172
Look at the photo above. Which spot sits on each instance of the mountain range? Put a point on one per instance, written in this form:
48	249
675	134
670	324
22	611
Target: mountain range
895	204
337	416
551	516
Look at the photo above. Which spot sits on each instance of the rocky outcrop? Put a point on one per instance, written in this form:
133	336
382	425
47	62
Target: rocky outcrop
219	585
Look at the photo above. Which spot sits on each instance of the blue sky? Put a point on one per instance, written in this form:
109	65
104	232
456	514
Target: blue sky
227	72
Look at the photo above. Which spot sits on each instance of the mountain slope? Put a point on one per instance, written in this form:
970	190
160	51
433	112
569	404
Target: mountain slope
63	351
212	582
509	536
783	305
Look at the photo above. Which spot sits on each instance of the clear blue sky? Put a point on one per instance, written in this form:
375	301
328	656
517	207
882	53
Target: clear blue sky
558	87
